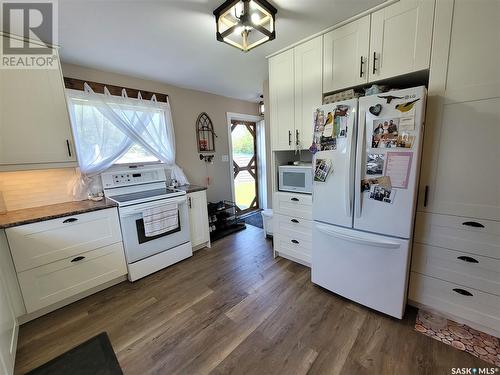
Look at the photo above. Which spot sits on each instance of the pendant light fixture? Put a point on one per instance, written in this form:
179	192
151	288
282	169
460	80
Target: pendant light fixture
245	24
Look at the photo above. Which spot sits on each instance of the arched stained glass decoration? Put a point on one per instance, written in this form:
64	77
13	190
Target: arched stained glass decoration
205	133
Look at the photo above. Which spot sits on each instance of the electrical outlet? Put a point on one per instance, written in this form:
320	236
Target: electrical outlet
225	158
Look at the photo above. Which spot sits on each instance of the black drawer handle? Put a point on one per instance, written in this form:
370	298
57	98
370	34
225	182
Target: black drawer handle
70	220
77	259
295	199
294	221
468	259
473	224
295	242
463	292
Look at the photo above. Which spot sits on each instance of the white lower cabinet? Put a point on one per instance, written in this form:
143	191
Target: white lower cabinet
457	301
198	219
9	297
54	282
292	226
57	260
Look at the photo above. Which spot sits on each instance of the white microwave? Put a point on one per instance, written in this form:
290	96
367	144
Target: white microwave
295	178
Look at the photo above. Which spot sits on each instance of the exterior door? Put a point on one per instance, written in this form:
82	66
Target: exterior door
245	178
345	51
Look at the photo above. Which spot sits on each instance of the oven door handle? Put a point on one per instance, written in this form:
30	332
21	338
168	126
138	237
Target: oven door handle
134	209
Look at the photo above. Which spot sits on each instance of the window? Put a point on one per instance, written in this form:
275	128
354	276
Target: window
98	136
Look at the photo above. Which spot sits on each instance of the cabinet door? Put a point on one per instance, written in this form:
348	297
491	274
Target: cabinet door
198	218
281	94
34	119
401	38
460	165
308	89
345	53
8	331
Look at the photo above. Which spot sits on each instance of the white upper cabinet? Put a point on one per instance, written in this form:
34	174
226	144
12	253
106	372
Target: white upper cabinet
308	89
474	50
34	120
461	149
281	95
401	38
346	55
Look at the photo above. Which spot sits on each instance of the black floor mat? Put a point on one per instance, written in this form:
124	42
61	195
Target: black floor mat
254	219
94	357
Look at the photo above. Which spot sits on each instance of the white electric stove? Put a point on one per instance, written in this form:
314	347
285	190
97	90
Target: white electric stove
138	189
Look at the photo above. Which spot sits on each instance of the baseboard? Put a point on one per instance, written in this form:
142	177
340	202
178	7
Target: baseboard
293	259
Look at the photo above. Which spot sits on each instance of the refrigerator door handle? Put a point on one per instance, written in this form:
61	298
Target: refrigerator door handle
349	161
360	160
360	240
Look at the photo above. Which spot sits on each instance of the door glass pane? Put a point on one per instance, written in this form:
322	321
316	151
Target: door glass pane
244	190
243	145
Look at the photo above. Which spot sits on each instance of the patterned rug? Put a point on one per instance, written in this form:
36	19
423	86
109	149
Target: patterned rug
463	337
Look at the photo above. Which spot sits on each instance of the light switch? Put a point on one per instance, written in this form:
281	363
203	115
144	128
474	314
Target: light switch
225	158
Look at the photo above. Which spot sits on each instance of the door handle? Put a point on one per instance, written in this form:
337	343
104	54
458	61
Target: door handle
473	224
70	220
296	137
69	148
77	259
468	259
463	292
361	67
295	221
289	138
360	240
294	199
295	242
374	62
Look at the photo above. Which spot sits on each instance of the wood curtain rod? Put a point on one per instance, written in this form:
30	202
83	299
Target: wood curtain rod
77	84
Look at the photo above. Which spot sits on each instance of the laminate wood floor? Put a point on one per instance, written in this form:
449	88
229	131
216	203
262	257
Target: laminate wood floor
233	309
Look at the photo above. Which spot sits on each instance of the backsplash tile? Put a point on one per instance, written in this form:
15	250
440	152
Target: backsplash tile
25	189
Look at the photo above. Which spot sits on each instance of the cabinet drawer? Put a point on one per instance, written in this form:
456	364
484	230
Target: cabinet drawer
474	236
295	205
462	268
479	307
37	244
295	227
299	249
46	285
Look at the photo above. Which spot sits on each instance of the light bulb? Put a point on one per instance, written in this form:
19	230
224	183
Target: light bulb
255	18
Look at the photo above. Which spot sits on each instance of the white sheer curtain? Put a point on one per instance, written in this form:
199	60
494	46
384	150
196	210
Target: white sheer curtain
107	126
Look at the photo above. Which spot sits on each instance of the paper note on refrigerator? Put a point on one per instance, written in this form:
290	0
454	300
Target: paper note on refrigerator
398	167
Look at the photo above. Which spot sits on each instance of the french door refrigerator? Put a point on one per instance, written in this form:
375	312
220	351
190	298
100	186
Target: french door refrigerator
364	196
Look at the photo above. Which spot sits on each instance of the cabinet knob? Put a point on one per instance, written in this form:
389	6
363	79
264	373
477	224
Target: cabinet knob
297	137
289	138
467	259
69	148
294	221
294	199
473	224
361	67
374	70
463	292
70	220
295	242
77	259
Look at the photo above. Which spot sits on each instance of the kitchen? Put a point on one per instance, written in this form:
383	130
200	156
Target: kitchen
366	119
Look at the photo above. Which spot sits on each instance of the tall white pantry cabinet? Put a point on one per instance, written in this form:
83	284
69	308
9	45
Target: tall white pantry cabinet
456	255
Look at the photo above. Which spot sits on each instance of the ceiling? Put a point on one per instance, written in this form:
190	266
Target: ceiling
173	41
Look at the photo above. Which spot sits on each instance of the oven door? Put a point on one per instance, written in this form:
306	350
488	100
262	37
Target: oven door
137	245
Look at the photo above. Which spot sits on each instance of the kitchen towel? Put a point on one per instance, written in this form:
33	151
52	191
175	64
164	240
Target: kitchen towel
160	219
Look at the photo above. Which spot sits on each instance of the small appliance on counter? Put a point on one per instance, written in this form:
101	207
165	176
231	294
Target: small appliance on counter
296	178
